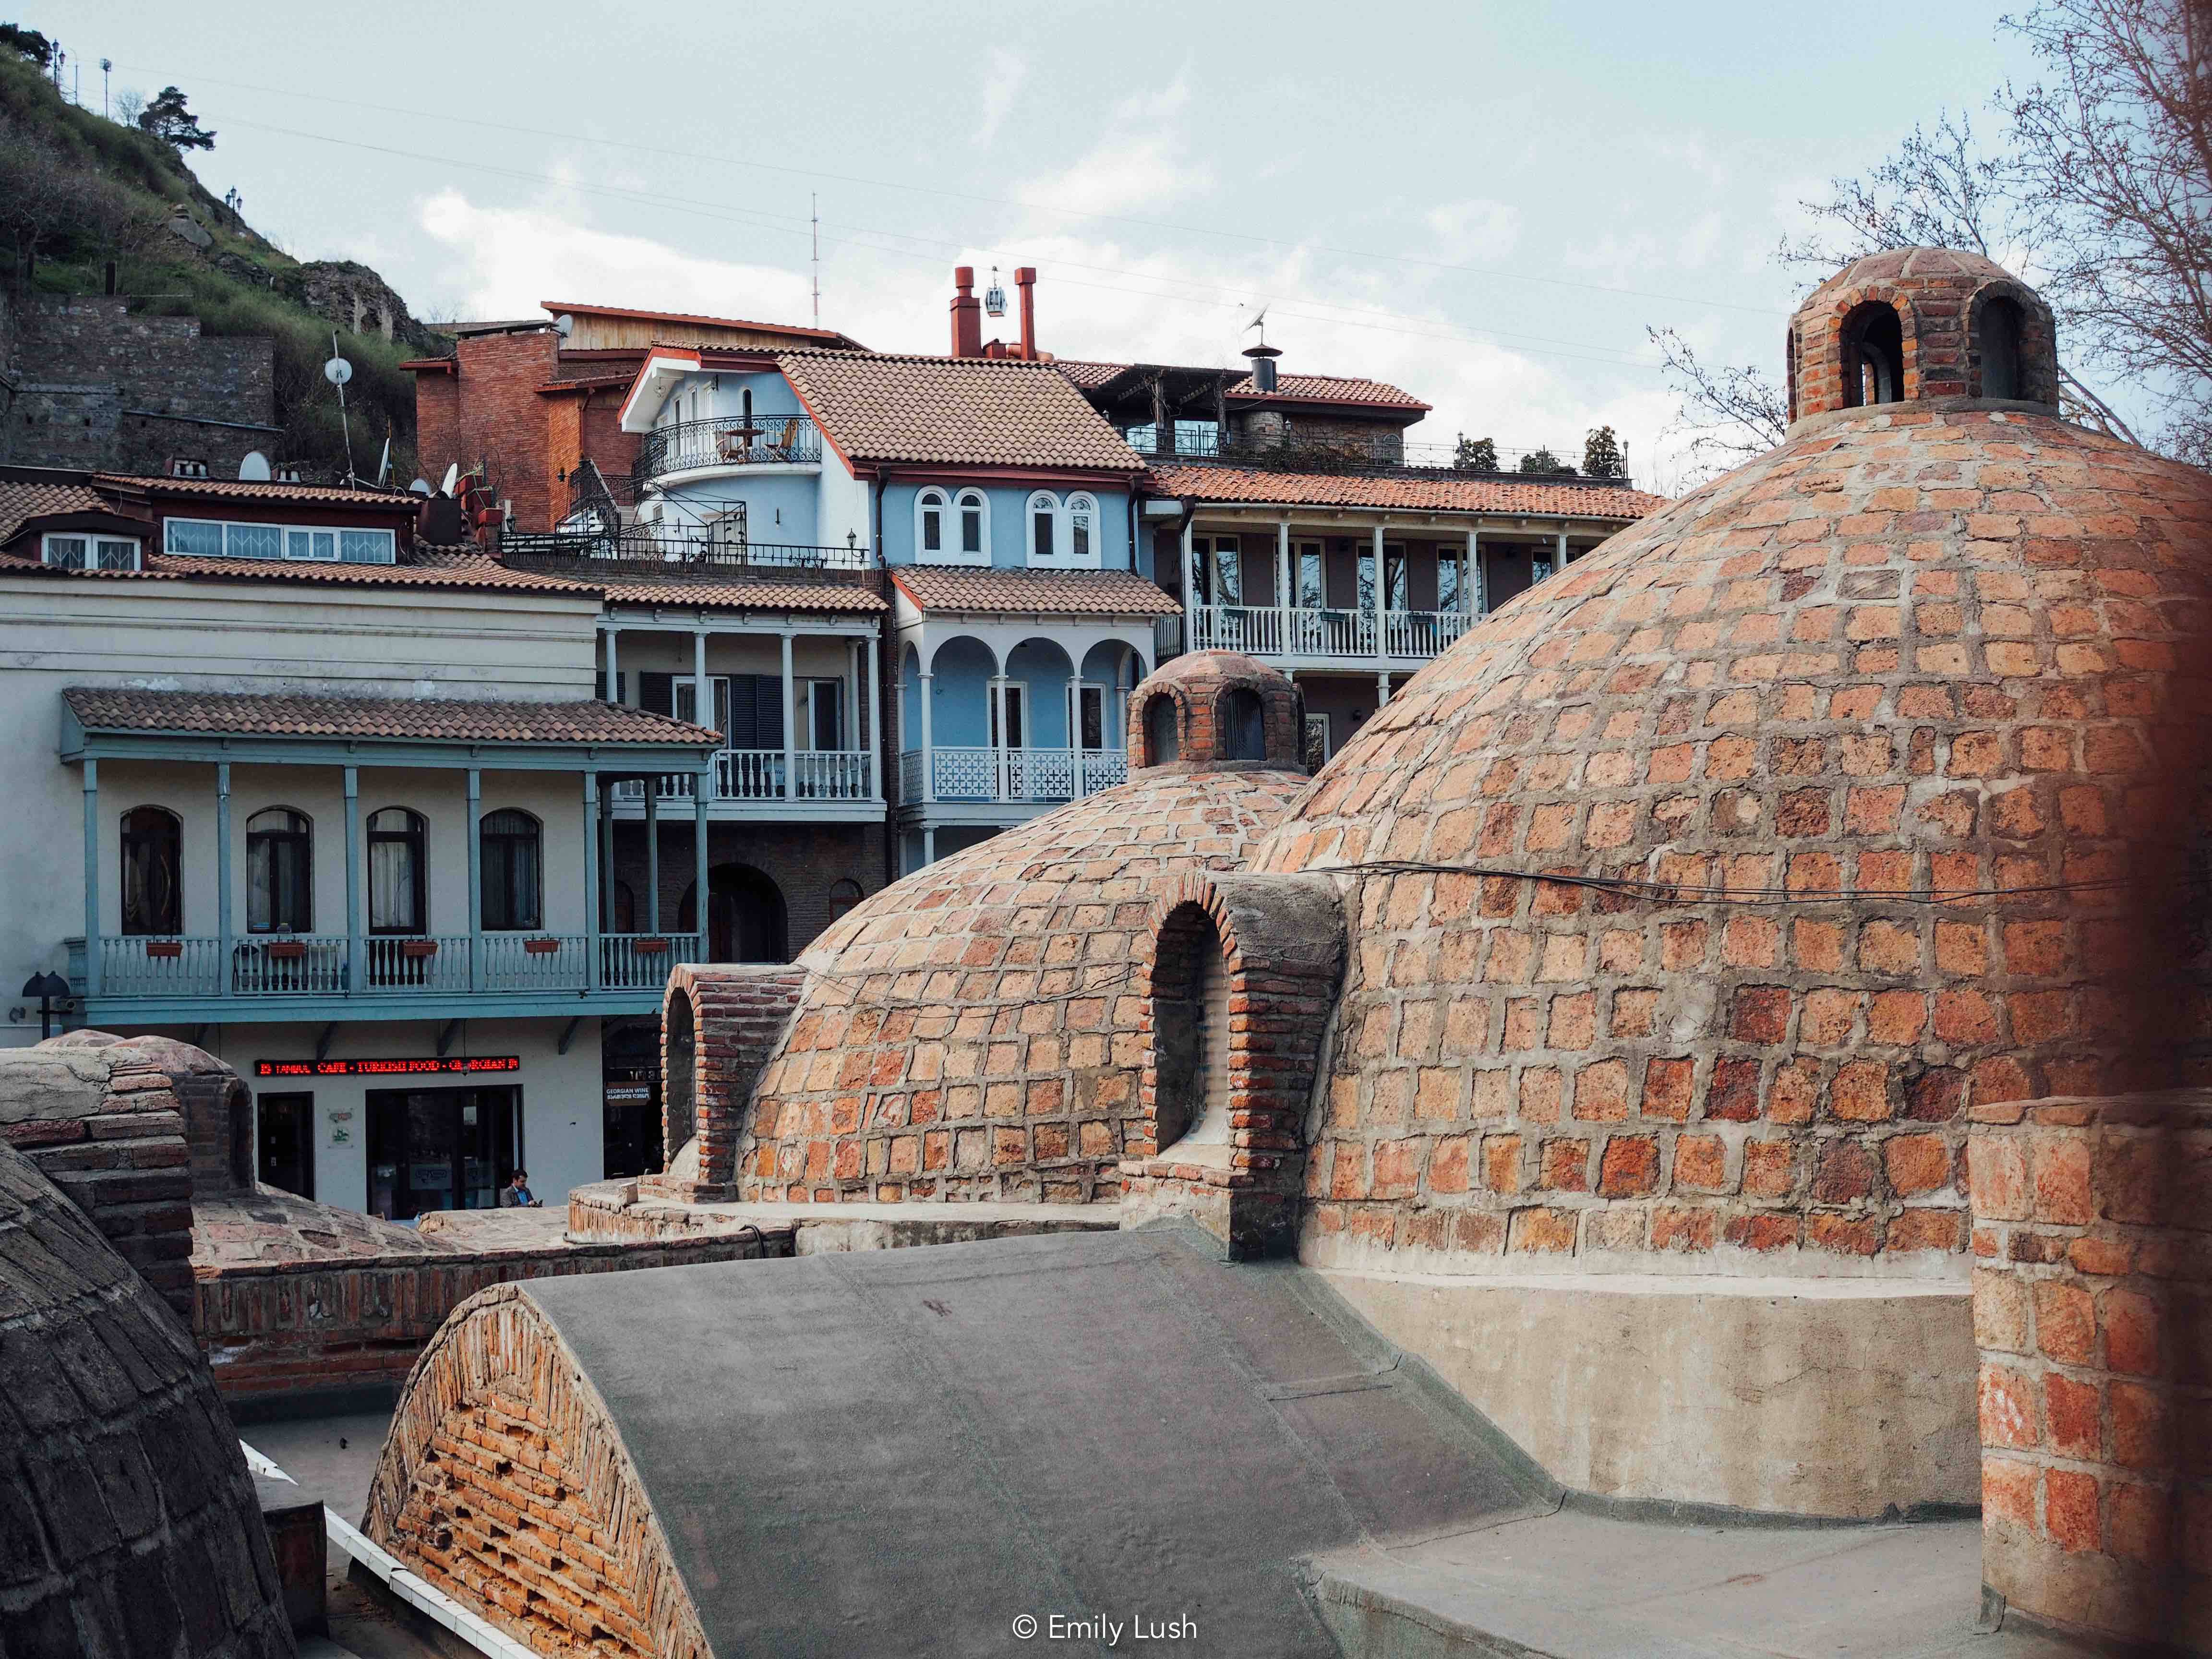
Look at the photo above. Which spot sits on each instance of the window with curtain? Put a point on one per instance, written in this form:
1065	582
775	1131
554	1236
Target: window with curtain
1082	519
152	844
971	521
396	871
280	871
512	869
930	508
1044	527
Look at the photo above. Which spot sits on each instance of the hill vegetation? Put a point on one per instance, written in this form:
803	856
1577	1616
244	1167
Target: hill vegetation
84	192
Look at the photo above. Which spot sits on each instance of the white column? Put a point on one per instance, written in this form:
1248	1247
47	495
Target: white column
994	716
1285	598
1381	690
614	672
652	855
928	747
356	947
1382	601
928	847
1473	592
594	892
92	880
1560	562
790	724
703	699
225	926
1189	589
875	727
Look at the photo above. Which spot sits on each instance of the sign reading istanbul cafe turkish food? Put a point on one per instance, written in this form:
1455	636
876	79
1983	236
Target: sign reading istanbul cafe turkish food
440	1065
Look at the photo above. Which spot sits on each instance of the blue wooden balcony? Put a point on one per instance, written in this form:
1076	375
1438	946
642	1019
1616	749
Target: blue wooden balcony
320	976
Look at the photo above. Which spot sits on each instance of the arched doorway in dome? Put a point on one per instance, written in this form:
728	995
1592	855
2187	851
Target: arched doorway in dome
746	921
1873	355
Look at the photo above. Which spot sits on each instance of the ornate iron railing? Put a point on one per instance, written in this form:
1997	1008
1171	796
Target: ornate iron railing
656	550
967	773
727	441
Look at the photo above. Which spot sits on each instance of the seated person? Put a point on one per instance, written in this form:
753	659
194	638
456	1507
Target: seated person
516	1194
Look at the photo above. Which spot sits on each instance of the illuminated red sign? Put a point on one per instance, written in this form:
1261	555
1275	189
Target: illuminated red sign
435	1067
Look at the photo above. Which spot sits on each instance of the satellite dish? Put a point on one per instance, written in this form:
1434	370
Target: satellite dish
564	325
254	469
453	477
420	487
338	371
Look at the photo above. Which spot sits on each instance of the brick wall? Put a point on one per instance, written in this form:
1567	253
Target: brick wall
503	1484
2093	1311
294	1327
713	1047
437	423
501	420
110	1133
1282	939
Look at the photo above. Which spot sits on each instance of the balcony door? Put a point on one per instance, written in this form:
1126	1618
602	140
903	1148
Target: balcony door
687	702
822	716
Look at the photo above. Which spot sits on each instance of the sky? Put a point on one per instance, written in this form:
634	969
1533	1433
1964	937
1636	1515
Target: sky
1485	204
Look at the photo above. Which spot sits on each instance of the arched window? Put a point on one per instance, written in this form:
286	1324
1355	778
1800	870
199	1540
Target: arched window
1082	530
1244	726
1999	339
929	525
398	872
1044	527
844	895
1874	355
1162	732
153	841
1190	1034
280	847
625	909
512	869
976	525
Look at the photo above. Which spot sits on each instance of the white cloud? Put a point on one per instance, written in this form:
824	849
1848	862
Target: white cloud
1146	160
1004	73
1474	228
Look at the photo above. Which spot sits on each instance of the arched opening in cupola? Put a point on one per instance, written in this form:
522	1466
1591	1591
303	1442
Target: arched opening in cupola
1873	356
1997	339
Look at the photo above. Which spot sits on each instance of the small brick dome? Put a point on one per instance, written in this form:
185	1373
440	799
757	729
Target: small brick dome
974	1030
1918	326
1216	710
1918	648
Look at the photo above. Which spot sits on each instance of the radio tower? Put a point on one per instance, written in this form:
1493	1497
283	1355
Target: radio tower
815	204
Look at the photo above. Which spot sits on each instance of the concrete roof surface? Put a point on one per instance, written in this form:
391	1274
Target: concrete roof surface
901	1452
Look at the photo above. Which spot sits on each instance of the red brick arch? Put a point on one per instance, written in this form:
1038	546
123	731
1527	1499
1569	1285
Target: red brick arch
1282	939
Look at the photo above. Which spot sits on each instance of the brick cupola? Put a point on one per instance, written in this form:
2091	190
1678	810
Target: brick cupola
1922	326
1216	710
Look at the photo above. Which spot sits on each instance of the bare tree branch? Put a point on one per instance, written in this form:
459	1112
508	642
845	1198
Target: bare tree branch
1731	413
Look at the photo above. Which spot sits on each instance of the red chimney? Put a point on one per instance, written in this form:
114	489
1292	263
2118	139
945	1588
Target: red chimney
1025	280
967	313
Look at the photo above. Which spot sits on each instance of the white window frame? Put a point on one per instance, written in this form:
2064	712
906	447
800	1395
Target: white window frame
1083	504
99	550
1043	502
285	532
962	500
950	505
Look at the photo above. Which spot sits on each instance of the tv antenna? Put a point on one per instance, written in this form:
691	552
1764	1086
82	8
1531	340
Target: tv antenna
815	207
337	372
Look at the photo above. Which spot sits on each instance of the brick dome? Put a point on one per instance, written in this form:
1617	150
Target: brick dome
1216	710
1914	648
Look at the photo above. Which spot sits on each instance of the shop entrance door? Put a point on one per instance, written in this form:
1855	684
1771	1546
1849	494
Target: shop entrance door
441	1149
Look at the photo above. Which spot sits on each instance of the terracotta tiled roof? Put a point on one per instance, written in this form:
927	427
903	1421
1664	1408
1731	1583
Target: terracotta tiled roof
1329	389
1237	484
425	719
241	489
428	568
585	382
1058	593
1293	388
739	595
958	411
21	503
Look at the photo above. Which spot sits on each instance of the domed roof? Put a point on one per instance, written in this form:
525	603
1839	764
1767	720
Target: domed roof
1216	709
1911	651
973	1029
1893	263
129	1520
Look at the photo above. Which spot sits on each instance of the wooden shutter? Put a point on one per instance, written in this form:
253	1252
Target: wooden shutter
656	693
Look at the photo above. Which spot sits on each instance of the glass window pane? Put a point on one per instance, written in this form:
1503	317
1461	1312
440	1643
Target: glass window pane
1079	525
1229	568
1448	568
196	537
932	530
66	552
253	541
359	546
1041	533
118	555
971	530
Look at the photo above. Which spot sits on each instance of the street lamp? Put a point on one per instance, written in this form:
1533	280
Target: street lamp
49	989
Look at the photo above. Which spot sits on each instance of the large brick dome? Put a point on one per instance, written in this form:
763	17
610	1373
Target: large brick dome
1932	644
973	1030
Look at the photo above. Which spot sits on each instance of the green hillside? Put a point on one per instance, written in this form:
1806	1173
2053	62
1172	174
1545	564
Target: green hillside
78	191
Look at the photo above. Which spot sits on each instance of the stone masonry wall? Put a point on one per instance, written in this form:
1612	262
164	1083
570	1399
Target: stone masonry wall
734	1017
2093	1311
503	1484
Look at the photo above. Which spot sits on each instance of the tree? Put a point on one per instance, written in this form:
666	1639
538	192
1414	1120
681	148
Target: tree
1731	413
1601	456
1475	455
168	119
1543	461
2099	193
37	207
129	105
29	42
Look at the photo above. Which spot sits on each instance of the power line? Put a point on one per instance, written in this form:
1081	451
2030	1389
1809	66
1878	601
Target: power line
725	160
761	219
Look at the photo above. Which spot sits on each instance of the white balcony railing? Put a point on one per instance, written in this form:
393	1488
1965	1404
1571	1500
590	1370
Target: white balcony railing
979	773
1305	631
759	774
275	965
